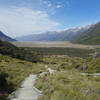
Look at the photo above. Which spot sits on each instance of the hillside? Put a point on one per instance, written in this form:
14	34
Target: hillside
66	35
9	49
12	72
68	83
5	37
91	36
71	85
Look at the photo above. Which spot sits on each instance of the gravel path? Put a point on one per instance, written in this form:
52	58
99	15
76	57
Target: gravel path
91	74
27	91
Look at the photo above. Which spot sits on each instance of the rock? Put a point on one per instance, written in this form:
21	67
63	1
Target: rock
91	74
51	71
91	90
40	72
43	74
53	63
57	68
28	65
84	67
96	55
64	64
46	66
11	96
76	67
46	62
92	48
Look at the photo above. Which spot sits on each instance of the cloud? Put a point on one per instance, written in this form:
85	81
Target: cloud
49	5
59	6
17	21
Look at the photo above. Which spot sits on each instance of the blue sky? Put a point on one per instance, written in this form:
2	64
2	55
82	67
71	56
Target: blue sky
23	17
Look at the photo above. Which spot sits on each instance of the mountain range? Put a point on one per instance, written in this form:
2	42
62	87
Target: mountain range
5	37
65	35
91	36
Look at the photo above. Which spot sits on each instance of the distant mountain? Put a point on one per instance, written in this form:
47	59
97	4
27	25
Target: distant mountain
66	35
91	36
5	37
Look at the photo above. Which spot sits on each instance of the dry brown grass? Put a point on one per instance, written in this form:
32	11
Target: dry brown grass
52	44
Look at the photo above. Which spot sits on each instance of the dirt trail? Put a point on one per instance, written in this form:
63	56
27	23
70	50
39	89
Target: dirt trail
27	91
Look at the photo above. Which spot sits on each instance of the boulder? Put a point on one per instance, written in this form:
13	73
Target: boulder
91	90
96	55
84	67
76	66
29	65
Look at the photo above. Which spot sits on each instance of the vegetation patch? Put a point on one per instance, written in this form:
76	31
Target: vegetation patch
72	52
13	72
7	48
68	83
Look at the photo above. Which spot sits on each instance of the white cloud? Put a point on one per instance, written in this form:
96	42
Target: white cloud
59	6
22	21
49	5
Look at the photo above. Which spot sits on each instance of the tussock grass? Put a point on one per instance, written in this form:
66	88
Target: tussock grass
68	83
16	71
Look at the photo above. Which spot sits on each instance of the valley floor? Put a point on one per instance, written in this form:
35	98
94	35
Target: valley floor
52	44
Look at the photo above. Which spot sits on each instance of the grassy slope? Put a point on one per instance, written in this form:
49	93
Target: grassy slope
92	36
69	84
60	86
9	49
15	70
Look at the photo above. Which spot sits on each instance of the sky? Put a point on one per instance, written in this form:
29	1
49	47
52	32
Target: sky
24	17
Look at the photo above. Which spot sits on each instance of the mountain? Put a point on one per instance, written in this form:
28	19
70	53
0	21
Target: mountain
91	36
5	37
66	35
